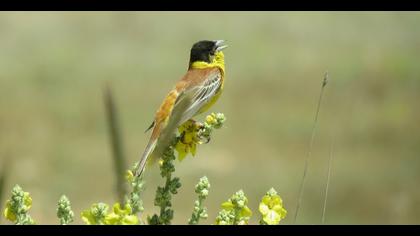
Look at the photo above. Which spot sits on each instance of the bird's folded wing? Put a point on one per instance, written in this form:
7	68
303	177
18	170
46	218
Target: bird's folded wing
188	103
198	96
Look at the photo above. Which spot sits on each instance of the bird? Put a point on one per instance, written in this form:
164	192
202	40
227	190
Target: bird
193	94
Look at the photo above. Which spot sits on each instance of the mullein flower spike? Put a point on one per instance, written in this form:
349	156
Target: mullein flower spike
137	186
96	214
271	208
164	194
121	216
234	211
200	212
64	212
17	207
193	133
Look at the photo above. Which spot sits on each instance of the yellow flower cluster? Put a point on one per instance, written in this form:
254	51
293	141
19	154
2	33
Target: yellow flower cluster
9	212
271	208
129	176
211	119
193	133
188	139
244	213
97	214
121	216
235	211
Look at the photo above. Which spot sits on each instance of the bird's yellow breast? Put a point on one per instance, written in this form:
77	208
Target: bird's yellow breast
218	62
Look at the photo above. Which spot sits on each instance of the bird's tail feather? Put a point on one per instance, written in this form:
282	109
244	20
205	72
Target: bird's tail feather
147	152
163	133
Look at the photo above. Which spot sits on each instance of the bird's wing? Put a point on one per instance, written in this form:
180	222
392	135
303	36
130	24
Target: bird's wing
188	102
198	95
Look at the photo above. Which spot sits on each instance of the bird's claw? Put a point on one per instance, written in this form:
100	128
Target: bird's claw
198	124
201	127
207	140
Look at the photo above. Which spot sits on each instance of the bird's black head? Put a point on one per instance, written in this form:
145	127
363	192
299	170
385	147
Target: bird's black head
204	50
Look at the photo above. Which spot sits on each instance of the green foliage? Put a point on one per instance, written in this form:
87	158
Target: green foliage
234	211
96	214
200	212
164	194
191	134
64	212
17	207
121	216
137	186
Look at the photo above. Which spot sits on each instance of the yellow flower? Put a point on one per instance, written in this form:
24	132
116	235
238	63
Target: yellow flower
88	218
215	120
227	206
188	139
245	213
271	208
210	119
96	214
27	201
183	149
8	213
121	216
129	176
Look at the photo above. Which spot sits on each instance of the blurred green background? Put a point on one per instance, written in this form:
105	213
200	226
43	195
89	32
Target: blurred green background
53	68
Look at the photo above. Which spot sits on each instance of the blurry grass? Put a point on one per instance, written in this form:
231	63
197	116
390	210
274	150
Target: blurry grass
116	144
311	142
53	126
327	182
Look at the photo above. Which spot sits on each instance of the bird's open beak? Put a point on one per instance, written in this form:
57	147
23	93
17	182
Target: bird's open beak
220	45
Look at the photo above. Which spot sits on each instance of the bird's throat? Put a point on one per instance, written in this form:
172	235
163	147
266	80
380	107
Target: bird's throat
218	61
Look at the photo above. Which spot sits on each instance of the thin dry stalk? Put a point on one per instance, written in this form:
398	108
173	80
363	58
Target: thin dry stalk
308	156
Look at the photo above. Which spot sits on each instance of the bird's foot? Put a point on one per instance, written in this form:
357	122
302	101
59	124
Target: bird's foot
207	139
198	125
201	131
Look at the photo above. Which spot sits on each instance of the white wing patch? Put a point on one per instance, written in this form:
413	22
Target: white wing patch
200	96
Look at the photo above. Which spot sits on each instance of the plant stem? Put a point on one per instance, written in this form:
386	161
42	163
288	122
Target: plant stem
164	194
165	204
302	185
328	180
